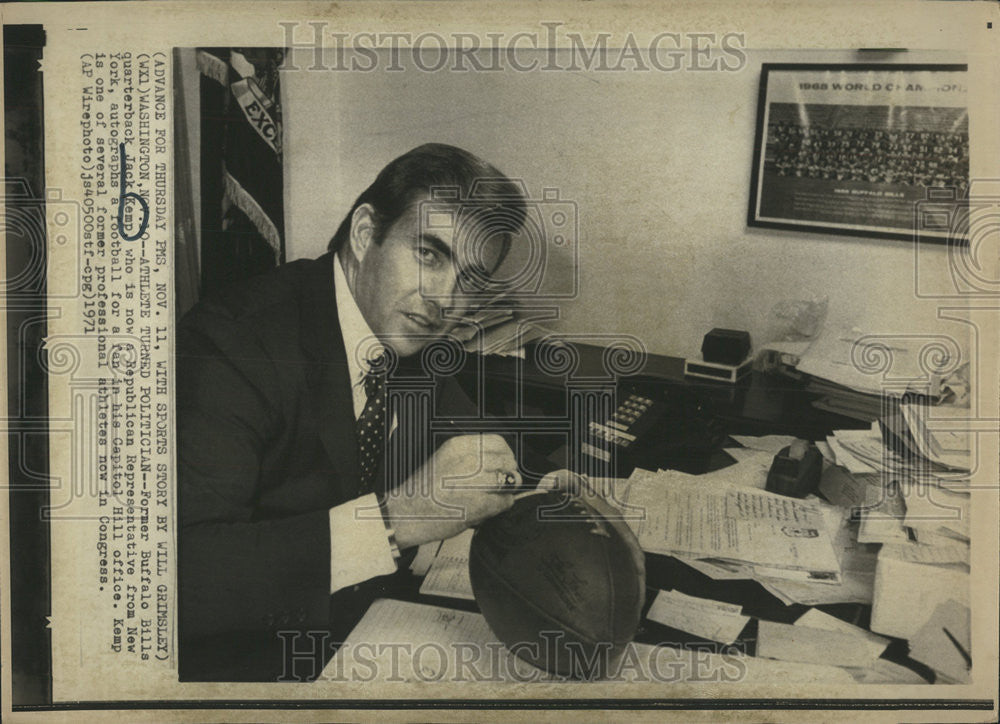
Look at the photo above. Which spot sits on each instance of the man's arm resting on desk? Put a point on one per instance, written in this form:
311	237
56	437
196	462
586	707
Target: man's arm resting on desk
362	543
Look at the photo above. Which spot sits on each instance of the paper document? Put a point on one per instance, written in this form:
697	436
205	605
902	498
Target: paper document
390	638
425	557
943	538
941	433
811	645
873	643
867	446
766	443
718	570
906	593
846	489
954	552
857	564
391	644
882	519
945	643
856	588
713	620
449	573
826	451
884	671
750	470
741	524
843	356
934	509
847	459
685	665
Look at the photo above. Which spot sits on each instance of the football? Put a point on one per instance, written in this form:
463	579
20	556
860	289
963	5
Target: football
560	582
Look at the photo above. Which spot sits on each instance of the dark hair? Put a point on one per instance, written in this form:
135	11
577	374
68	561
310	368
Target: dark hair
412	176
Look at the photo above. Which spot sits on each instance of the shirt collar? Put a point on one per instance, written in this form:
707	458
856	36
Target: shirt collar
359	340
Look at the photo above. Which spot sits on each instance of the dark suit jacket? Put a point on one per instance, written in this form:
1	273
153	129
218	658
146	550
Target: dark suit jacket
266	446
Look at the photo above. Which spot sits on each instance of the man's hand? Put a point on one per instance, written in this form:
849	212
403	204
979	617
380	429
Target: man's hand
469	479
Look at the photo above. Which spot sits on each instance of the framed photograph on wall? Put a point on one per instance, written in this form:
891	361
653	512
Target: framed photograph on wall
863	150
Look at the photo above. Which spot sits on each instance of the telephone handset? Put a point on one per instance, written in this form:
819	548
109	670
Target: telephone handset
654	426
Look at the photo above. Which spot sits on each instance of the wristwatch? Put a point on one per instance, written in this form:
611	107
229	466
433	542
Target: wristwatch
389	531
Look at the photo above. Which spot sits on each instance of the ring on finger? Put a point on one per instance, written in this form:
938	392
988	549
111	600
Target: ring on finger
506	479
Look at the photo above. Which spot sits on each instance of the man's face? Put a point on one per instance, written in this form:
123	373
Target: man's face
404	284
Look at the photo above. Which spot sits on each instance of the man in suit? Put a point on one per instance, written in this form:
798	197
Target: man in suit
301	477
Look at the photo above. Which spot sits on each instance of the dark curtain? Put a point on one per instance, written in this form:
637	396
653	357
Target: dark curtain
242	206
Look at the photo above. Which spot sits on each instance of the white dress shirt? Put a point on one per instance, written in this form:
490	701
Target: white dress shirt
359	543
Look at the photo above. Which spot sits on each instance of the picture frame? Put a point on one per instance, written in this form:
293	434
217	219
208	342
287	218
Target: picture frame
870	150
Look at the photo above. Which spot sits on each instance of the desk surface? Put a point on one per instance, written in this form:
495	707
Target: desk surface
466	627
759	404
536	395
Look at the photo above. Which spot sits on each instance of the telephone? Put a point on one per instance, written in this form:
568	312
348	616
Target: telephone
656	425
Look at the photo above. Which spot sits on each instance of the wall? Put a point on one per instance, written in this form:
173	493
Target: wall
659	165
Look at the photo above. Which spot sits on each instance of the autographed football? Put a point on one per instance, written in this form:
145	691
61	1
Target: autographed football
560	582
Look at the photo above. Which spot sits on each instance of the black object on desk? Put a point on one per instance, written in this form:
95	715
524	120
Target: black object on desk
796	470
725	346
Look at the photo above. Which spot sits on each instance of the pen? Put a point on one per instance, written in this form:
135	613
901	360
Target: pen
961	649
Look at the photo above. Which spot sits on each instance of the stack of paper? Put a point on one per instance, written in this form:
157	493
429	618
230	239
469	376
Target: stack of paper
496	329
940	434
857	563
776	535
840	359
856	560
